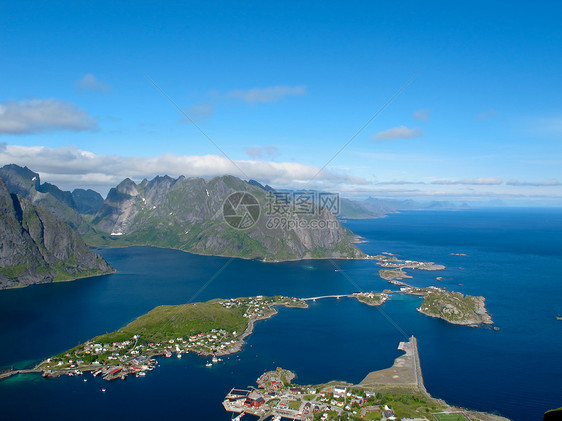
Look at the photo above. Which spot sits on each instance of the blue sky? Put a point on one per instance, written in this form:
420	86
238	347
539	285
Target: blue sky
280	88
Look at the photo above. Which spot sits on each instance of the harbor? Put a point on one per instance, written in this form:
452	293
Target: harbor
277	397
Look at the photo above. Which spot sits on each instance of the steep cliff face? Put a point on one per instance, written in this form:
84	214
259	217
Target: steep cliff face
187	213
87	202
36	247
27	184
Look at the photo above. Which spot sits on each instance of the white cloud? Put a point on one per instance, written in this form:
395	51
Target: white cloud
43	115
547	183
401	132
398	183
422	115
71	167
262	151
200	112
476	182
90	83
269	94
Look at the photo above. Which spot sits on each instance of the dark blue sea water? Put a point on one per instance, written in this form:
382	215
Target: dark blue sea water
514	259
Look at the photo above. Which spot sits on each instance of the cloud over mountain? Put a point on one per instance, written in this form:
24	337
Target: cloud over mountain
71	166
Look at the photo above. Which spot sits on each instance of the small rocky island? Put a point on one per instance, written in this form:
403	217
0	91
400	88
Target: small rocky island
371	298
453	307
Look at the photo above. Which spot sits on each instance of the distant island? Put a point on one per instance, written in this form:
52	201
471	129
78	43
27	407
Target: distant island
216	328
452	307
397	392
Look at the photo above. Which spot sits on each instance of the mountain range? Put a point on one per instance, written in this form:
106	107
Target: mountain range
45	229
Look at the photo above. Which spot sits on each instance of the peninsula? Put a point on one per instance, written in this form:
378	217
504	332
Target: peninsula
397	392
213	328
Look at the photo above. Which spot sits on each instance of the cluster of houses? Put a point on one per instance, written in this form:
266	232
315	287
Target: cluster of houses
258	306
419	291
372	298
410	264
276	397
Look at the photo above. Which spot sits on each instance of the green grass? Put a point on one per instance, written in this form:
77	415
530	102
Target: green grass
14	271
165	322
408	403
294	405
440	303
450	417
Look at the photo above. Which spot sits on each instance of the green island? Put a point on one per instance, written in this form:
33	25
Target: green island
371	298
453	307
213	328
394	393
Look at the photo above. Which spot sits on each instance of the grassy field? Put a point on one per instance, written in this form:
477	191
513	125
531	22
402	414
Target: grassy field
165	322
452	306
450	417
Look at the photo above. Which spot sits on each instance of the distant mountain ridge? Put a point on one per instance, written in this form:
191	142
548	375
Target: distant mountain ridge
186	213
379	208
36	247
65	205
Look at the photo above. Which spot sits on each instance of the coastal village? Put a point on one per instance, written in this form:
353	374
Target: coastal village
395	393
275	397
118	359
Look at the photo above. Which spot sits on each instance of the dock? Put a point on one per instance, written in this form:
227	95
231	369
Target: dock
9	372
406	369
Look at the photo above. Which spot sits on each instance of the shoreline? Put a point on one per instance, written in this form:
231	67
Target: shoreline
255	259
58	282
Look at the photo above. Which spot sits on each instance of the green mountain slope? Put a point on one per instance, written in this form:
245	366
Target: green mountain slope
187	213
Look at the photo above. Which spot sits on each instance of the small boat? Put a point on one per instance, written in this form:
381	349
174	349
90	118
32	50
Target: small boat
215	359
209	365
103	390
179	355
239	417
85	380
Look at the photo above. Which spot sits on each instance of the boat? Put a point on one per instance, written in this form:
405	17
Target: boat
239	417
215	359
208	365
103	390
179	355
